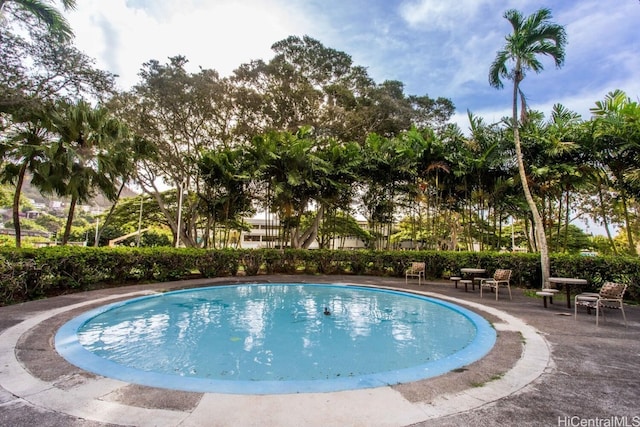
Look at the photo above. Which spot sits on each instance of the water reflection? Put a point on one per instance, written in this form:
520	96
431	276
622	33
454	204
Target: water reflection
274	332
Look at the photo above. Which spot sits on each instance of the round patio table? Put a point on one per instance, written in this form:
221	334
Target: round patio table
473	272
567	282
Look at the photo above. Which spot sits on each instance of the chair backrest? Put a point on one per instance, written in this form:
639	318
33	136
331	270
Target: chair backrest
417	266
612	290
502	275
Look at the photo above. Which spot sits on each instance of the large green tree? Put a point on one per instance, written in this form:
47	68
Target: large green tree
309	84
182	114
36	72
532	37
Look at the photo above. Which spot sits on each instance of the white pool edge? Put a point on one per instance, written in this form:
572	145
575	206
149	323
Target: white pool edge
378	406
67	344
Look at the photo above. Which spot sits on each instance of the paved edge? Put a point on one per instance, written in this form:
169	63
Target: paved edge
379	406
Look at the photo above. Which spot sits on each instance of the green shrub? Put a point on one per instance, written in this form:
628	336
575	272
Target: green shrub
252	262
28	274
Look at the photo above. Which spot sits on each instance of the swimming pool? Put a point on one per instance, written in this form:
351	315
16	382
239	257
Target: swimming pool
275	338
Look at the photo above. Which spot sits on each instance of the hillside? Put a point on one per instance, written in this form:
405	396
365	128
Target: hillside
30	192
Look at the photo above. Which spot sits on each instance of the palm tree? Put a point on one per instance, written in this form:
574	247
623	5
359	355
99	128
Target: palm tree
338	186
23	151
382	172
226	177
531	37
293	174
615	132
45	13
568	163
85	158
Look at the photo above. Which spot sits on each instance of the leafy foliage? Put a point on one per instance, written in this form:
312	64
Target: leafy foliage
35	273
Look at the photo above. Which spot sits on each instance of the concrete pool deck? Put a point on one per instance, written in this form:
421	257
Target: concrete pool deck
546	369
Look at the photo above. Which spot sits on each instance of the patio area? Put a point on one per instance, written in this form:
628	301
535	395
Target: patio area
545	369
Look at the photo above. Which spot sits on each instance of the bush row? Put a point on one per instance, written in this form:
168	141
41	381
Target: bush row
29	274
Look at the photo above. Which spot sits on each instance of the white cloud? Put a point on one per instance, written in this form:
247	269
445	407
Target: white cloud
219	35
436	47
440	14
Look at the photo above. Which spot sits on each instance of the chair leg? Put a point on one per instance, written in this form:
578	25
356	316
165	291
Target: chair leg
623	316
497	291
509	288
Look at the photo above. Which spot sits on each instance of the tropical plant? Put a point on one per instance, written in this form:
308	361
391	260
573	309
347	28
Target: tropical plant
295	175
85	159
382	171
616	135
532	37
43	12
24	150
226	178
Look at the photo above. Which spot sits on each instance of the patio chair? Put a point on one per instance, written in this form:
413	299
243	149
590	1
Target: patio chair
415	270
610	296
500	278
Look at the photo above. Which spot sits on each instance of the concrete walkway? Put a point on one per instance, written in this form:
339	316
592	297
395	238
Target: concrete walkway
545	369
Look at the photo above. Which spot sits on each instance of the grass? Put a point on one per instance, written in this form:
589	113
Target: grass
494	377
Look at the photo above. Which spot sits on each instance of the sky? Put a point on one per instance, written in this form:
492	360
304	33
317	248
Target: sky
435	47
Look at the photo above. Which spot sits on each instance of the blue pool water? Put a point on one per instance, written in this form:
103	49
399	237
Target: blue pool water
275	338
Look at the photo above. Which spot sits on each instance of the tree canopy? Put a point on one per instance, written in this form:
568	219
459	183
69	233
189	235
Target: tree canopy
307	138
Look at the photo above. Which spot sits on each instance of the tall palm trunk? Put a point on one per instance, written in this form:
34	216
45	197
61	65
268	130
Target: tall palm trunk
566	222
16	204
541	238
556	242
107	219
627	223
67	228
603	214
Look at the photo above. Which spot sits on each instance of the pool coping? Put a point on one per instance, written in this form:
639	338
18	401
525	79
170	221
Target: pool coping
67	344
378	406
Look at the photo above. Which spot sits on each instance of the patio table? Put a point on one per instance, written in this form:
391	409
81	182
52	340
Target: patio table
473	273
567	282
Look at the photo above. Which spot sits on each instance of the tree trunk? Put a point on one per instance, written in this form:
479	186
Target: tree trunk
498	216
566	222
67	227
627	223
556	243
310	235
541	238
16	204
108	217
604	217
528	232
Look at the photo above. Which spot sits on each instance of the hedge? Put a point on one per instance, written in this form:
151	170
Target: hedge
28	274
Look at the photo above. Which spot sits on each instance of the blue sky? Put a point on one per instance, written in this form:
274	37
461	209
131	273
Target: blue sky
435	47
